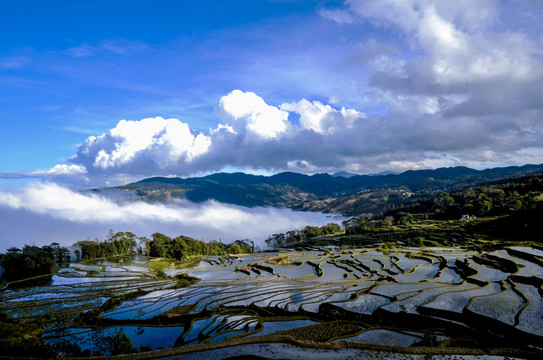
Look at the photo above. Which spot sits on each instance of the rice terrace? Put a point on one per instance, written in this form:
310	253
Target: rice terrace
369	301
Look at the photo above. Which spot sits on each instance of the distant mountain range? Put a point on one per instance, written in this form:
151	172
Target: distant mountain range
342	193
344	174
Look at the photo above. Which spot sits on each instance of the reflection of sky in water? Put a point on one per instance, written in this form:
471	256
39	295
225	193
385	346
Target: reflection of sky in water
385	337
222	286
528	250
224	326
157	337
60	280
271	327
484	273
197	327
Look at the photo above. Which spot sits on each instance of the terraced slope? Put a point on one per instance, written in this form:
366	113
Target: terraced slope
445	297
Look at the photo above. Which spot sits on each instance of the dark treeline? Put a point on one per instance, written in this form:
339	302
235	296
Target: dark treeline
182	247
490	199
121	243
32	261
160	245
514	197
494	199
519	201
297	236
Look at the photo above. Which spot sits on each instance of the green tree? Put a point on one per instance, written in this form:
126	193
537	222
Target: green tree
404	218
62	254
330	228
387	222
29	262
123	242
160	245
312	231
233	249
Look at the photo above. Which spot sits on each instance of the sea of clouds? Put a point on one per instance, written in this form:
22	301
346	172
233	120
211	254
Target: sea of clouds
42	213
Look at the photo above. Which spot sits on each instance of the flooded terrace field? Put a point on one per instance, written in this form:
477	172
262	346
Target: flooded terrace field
403	299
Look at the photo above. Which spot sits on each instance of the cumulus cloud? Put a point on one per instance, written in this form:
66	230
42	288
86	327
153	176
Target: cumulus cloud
302	136
457	78
321	118
453	47
246	111
251	134
45	213
449	83
152	145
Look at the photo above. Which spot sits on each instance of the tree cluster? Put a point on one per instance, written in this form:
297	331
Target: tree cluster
182	247
497	198
32	261
364	225
494	199
120	243
296	236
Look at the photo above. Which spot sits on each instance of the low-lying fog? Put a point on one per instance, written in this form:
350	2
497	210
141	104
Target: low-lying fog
40	214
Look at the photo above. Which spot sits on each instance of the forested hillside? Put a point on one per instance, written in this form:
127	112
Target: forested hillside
505	210
321	192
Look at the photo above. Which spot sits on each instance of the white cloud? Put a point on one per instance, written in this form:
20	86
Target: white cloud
323	118
15	62
262	137
62	169
337	15
462	79
74	174
62	215
252	135
80	51
459	43
160	143
117	47
246	111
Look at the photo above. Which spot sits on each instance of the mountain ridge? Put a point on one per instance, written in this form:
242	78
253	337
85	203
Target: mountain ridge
319	192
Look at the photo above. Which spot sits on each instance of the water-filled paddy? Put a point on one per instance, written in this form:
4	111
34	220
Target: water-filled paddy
385	337
439	291
154	336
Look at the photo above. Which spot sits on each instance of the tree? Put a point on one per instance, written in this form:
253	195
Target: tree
123	242
293	237
61	253
233	248
119	343
29	262
387	222
160	245
144	245
330	228
312	231
357	225
404	218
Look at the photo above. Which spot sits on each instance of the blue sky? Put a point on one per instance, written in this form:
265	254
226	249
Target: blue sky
100	93
265	86
74	69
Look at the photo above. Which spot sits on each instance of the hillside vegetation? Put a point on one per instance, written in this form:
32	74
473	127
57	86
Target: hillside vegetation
506	210
321	192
